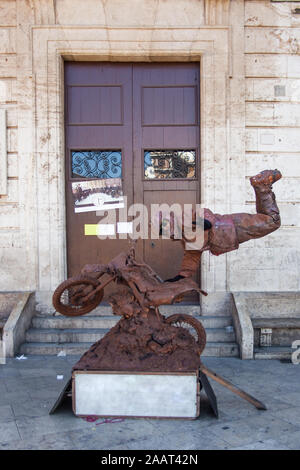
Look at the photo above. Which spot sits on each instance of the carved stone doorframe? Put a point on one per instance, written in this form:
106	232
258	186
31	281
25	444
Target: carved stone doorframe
210	45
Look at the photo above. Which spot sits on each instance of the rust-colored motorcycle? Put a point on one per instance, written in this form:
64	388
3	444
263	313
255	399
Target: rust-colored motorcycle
80	295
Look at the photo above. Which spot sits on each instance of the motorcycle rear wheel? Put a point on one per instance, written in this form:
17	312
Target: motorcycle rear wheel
192	325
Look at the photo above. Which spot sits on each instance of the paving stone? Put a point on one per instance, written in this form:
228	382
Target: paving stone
180	440
289	415
9	432
30	361
291	398
57	441
32	383
43	425
37	372
3	388
101	436
8	371
44	394
120	447
291	440
6	414
243	409
268	444
73	359
9	398
32	408
13	384
166	426
145	444
242	432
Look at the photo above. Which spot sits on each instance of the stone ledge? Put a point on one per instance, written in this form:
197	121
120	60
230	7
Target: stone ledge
254	310
17	323
243	327
276	322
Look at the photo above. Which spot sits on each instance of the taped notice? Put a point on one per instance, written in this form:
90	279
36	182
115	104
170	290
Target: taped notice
91	229
106	229
124	227
99	229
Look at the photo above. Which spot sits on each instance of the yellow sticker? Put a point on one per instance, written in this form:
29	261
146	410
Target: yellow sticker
91	229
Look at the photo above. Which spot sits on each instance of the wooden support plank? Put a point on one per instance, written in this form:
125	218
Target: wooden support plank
233	388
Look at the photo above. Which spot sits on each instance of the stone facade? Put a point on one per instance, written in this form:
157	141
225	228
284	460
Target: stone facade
248	54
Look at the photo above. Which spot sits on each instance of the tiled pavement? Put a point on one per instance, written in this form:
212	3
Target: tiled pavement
29	388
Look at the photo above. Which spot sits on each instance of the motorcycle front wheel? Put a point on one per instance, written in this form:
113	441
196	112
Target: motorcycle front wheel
68	297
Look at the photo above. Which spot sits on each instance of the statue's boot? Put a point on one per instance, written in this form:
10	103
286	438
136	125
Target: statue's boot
266	177
265	198
267	218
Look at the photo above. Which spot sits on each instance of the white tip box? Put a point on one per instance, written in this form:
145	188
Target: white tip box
136	394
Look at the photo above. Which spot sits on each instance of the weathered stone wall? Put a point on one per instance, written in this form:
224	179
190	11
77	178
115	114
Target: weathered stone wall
272	101
250	76
12	243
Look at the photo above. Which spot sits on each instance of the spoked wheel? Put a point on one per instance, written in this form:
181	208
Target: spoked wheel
194	327
68	297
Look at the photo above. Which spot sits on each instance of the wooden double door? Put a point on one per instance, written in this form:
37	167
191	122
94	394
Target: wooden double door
138	122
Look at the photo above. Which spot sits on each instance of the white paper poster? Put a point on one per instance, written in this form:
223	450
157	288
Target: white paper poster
98	195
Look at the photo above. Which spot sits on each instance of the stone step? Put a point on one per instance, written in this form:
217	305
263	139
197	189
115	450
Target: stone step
108	321
216	349
71	335
273	352
75	335
190	309
220	349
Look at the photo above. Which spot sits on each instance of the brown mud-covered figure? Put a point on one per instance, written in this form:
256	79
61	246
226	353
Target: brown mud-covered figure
224	233
145	340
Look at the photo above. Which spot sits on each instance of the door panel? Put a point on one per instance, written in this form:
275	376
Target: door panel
168	105
165	255
99	105
149	113
165	118
98	118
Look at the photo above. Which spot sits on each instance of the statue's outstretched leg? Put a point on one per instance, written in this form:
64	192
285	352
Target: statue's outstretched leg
248	226
267	219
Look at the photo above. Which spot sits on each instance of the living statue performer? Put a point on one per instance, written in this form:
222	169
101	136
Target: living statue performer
224	233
